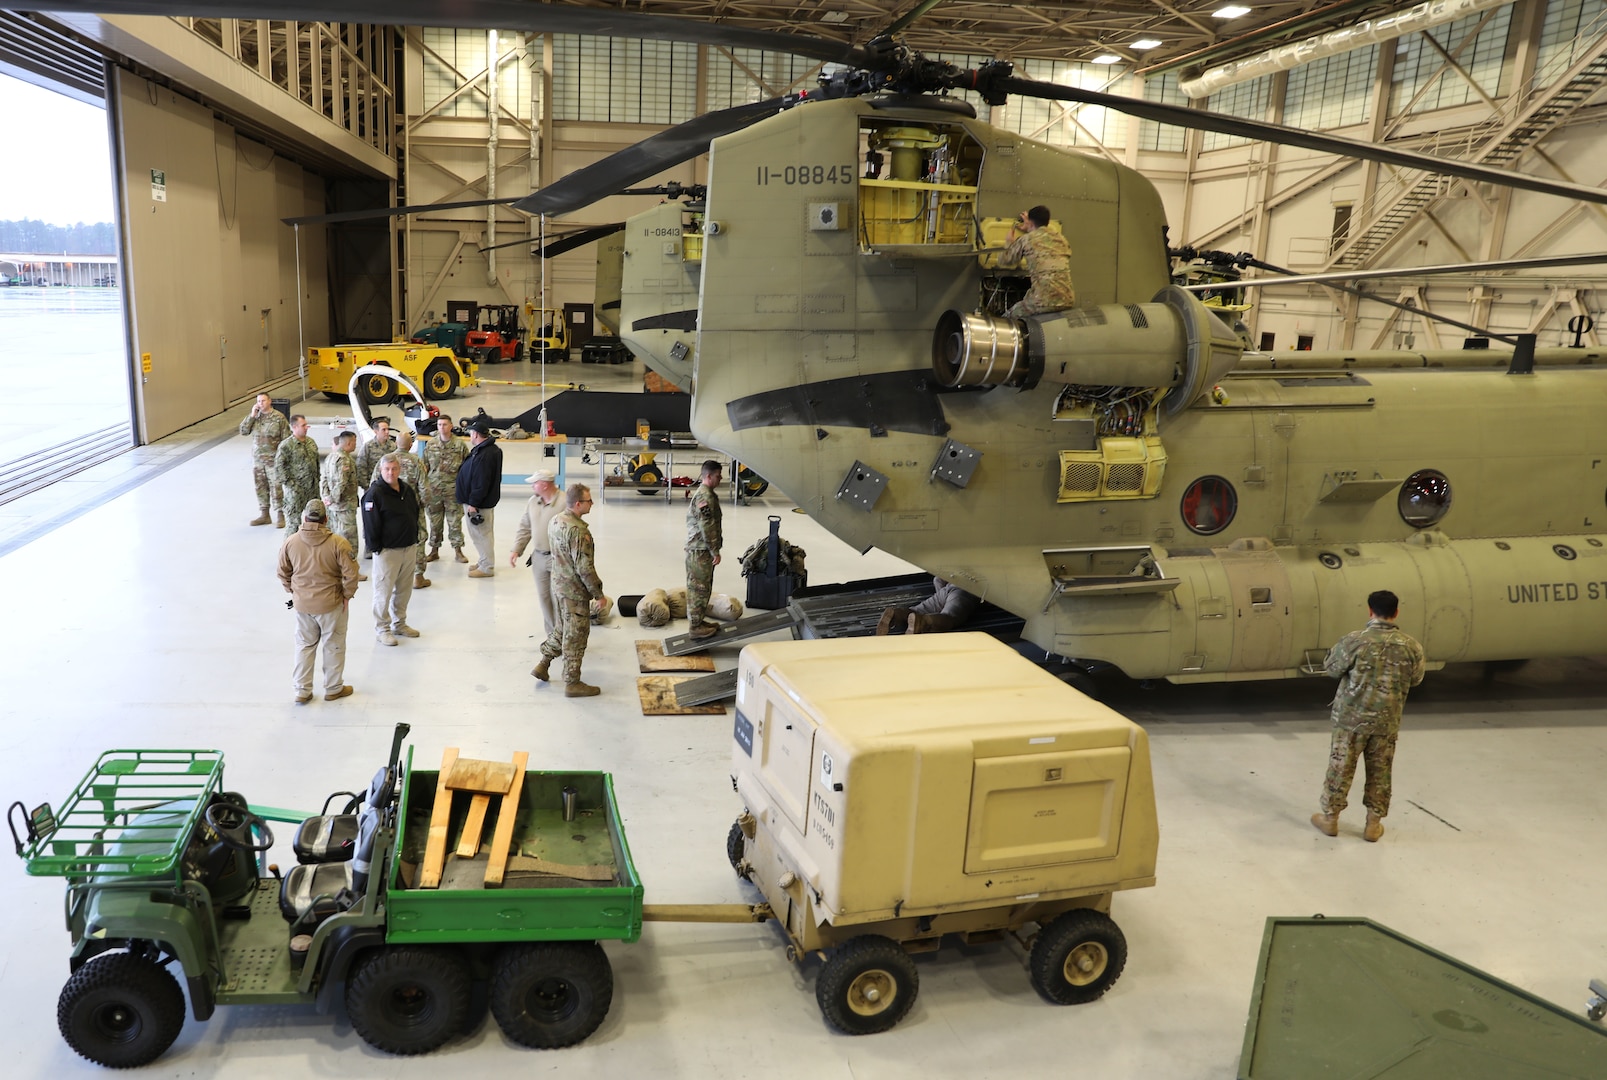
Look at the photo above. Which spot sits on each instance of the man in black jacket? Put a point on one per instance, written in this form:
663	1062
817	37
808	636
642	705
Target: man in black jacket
390	532
479	489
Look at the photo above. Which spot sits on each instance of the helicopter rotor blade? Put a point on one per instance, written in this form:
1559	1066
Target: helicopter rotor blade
1495	265
902	23
379	213
1261	131
579	239
617	172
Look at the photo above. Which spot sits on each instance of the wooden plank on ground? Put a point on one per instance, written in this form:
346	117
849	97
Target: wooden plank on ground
650	657
657	693
497	866
440	819
528	864
473	774
473	826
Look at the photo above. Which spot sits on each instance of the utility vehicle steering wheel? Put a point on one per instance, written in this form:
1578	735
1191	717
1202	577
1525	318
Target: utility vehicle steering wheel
235	824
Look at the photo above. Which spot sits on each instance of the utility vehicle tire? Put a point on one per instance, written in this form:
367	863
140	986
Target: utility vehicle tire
735	848
868	985
408	1000
552	993
120	1010
1077	957
375	389
440	380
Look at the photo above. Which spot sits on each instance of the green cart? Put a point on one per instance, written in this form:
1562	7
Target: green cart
164	864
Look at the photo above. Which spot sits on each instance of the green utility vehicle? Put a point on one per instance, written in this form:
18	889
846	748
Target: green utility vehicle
164	864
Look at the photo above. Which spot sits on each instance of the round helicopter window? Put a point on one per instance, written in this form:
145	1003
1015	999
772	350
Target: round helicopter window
1424	498
1209	505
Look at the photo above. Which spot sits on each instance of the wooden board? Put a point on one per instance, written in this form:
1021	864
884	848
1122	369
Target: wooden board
440	818
657	693
650	657
473	826
528	864
502	839
472	774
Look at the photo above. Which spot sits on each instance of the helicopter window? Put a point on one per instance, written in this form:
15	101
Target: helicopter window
1424	498
1209	505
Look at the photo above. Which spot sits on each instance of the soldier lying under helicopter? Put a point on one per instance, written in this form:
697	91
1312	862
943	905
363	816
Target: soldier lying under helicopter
948	608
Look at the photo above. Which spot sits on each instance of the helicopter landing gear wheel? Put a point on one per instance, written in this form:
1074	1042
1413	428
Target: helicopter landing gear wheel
868	985
120	1010
1077	957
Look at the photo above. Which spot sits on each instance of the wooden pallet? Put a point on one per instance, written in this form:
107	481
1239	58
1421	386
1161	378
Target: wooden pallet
657	693
650	658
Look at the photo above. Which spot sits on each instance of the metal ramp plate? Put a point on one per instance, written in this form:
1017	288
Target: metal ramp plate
750	627
1350	998
716	687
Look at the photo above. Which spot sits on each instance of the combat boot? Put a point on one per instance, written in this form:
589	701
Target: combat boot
889	617
279	520
580	689
543	669
704	631
1375	828
435	553
421	582
1327	824
261	519
458	556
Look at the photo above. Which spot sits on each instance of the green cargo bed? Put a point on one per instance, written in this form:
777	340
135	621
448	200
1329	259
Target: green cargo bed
536	901
1348	998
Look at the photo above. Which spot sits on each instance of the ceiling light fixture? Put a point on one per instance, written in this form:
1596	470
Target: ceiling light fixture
1232	11
834	17
1107	58
1145	43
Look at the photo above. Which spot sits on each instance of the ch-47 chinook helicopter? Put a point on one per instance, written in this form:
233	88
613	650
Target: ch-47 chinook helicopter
1120	475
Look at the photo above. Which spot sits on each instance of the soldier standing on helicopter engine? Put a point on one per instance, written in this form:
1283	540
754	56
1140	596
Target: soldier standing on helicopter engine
1047	257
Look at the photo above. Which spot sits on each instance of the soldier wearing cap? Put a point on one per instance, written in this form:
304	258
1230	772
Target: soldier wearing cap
1376	666
547	503
703	542
479	489
319	571
268	428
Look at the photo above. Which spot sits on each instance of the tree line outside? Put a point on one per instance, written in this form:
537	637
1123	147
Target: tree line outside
41	238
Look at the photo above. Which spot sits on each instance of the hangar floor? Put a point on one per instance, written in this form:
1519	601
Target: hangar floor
153	619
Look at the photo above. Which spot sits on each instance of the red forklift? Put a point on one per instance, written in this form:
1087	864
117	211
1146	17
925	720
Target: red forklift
498	337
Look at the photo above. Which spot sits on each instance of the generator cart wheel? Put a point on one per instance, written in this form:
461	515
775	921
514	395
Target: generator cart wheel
440	380
375	389
867	985
408	1000
1077	957
736	846
552	993
120	1010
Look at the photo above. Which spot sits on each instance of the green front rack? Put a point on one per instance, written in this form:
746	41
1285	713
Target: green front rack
129	817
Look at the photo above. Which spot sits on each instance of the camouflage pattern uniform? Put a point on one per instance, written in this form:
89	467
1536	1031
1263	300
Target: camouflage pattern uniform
444	458
296	464
1375	666
267	431
415	472
337	486
1047	256
575	585
703	542
368	456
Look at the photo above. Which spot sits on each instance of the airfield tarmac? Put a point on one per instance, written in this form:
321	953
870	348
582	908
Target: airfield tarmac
145	613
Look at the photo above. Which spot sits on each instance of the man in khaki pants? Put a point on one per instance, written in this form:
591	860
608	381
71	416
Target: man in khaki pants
390	531
318	570
547	503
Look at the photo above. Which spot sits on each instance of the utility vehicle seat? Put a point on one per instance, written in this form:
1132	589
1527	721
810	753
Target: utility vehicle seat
341	884
327	838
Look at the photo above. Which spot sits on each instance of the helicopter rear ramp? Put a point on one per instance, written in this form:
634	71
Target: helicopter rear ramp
1350	998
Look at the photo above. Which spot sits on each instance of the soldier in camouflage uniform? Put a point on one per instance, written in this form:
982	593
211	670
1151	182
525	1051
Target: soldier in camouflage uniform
575	585
296	464
374	449
1375	666
415	472
703	542
268	428
338	488
444	455
1047	257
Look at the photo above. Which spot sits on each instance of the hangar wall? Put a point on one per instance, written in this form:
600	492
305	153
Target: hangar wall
210	270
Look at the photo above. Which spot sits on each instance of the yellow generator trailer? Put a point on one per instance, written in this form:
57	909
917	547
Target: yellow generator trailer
904	789
438	372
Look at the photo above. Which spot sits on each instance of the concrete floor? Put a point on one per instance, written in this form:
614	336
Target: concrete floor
153	619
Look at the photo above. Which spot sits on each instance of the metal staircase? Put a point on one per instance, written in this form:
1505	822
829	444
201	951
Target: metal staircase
1523	121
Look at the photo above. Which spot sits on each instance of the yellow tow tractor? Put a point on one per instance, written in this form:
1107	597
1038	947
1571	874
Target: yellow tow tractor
437	371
